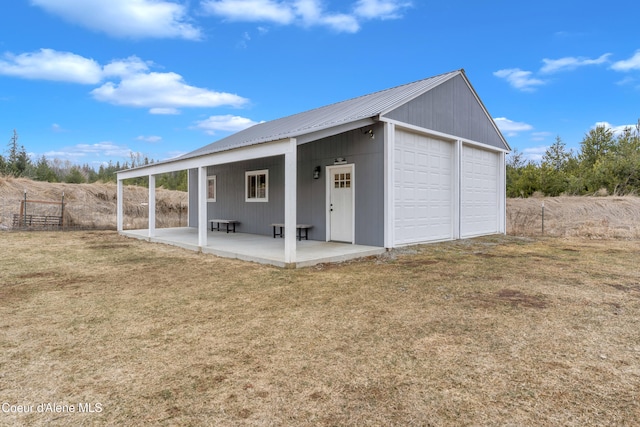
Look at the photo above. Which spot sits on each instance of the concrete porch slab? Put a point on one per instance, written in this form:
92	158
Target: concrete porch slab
257	248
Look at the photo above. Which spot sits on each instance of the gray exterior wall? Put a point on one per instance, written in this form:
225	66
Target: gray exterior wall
256	217
450	108
368	156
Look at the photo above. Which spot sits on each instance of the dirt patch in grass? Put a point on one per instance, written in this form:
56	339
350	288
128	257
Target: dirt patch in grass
490	331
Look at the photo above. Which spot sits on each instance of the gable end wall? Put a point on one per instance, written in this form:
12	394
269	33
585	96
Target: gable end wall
453	109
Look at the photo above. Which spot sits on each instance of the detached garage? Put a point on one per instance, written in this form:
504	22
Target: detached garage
421	162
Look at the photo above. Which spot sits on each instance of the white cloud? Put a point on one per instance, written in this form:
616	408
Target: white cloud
540	136
251	10
126	18
57	128
162	91
511	128
535	153
164	111
126	82
126	67
311	14
617	130
152	138
308	13
571	63
630	64
226	123
48	64
100	149
380	9
519	79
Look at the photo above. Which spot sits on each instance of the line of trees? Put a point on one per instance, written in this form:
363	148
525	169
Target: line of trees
606	163
17	163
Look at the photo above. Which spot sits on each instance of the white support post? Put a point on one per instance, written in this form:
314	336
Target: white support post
290	202
502	194
152	206
202	206
457	189
389	216
119	207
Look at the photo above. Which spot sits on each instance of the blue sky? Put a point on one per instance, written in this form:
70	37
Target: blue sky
93	80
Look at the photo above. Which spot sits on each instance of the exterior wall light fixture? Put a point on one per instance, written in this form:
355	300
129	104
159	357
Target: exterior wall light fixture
316	172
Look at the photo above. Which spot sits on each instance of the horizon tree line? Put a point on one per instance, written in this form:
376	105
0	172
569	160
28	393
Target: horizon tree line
17	163
606	163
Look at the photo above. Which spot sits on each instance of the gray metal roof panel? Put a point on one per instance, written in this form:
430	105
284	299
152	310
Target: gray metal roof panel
343	112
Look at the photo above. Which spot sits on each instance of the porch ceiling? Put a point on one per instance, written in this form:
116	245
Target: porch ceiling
257	248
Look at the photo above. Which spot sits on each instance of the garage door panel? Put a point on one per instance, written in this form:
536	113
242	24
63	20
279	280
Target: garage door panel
423	189
479	192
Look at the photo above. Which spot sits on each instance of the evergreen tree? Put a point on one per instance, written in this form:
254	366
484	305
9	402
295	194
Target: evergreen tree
553	178
75	176
43	171
18	161
595	145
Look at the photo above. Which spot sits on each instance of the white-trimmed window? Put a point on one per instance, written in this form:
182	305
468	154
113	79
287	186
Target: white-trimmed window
257	186
211	188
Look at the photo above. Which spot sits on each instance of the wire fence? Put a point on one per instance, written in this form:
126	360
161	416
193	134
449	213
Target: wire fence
15	214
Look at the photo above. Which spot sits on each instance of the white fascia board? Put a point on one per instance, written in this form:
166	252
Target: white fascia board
335	130
441	135
257	151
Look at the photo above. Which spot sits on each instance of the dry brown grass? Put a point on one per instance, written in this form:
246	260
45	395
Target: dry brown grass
92	205
490	331
592	217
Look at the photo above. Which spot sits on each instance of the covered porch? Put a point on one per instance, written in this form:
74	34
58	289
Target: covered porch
257	248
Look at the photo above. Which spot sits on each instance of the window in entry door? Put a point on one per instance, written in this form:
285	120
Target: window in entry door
342	180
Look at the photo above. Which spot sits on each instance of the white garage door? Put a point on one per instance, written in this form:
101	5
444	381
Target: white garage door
479	192
422	189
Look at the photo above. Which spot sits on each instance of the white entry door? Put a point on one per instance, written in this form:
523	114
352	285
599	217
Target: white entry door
341	183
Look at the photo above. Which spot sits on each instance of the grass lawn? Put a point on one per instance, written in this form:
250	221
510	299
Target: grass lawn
489	331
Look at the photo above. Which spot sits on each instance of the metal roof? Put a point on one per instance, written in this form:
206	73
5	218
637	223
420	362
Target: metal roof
352	110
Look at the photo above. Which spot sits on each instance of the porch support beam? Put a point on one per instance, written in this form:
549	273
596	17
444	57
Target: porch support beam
119	206
152	206
290	202
202	206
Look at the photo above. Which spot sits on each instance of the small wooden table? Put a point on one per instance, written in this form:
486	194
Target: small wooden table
299	229
232	222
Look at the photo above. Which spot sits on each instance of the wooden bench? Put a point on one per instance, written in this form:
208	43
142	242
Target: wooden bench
228	222
34	221
299	229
